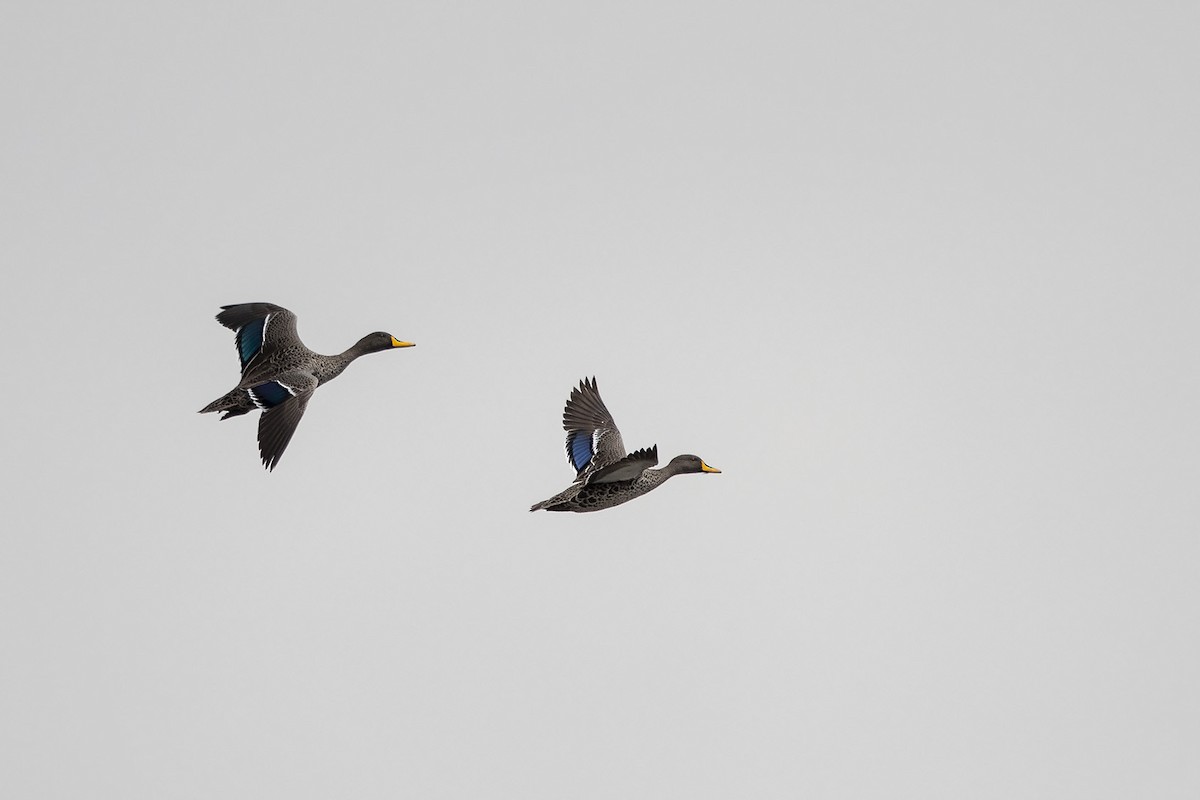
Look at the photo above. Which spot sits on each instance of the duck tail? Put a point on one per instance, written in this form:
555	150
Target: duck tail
233	404
555	503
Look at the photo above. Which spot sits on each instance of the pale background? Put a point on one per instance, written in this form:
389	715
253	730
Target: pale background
920	278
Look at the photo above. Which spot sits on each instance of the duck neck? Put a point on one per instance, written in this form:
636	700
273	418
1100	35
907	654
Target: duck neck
660	475
333	366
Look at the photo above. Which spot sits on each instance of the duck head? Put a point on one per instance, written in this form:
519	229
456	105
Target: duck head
375	342
690	463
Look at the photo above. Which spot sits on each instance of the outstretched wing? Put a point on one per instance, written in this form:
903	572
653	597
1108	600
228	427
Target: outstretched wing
626	469
283	402
593	440
258	329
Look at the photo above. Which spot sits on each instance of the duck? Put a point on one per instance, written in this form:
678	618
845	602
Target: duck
605	475
280	374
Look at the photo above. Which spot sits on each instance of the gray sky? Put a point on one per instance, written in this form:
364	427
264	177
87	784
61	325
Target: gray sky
921	280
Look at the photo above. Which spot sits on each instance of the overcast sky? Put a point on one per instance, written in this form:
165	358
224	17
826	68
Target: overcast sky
921	279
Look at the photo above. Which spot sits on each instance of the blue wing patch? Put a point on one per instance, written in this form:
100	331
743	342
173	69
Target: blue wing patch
269	395
579	444
250	339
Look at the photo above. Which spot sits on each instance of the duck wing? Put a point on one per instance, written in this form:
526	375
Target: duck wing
626	469
259	330
593	439
282	402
